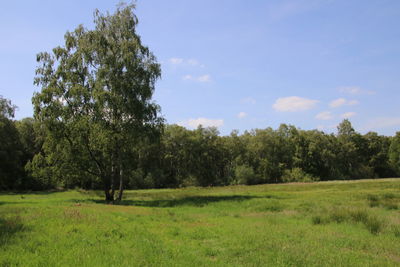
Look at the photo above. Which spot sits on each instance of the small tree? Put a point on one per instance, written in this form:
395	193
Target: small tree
95	101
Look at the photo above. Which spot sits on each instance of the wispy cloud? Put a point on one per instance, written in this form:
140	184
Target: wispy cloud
187	77
202	79
342	101
348	115
205	122
337	102
352	102
248	100
242	115
326	115
293	104
177	61
355	90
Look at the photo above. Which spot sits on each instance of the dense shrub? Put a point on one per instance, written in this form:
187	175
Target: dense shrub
245	175
297	175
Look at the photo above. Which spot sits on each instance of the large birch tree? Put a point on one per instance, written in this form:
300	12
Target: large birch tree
96	101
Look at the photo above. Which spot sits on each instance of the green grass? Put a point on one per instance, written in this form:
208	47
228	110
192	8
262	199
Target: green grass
355	223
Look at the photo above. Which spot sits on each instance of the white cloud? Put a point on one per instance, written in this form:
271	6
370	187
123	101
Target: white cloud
383	122
348	115
192	62
337	102
248	100
204	78
187	77
294	103
326	115
185	62
353	102
242	115
194	123
342	101
355	90
176	60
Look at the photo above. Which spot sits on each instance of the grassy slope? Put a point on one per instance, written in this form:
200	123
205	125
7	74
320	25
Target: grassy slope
354	223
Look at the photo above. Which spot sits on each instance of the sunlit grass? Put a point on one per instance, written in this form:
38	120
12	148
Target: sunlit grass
355	223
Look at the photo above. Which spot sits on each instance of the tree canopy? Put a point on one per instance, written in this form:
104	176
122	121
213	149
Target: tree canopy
96	100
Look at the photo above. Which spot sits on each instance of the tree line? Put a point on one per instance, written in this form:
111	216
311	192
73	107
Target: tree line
95	126
179	157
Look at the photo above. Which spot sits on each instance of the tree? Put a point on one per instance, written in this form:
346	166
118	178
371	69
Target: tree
378	154
7	109
345	129
96	99
394	153
10	148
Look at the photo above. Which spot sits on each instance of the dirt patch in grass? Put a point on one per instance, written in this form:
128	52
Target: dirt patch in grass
394	257
73	214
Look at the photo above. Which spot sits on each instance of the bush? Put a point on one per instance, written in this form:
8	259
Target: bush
191	180
297	175
149	181
245	175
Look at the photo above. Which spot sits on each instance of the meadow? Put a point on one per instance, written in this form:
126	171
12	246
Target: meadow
339	223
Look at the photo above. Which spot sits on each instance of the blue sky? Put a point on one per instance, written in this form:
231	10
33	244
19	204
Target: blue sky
238	64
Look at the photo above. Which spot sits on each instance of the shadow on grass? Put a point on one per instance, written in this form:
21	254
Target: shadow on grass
47	192
8	228
194	201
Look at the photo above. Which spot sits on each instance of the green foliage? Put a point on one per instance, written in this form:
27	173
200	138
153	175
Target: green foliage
200	157
95	100
11	150
297	175
245	175
345	129
394	153
7	109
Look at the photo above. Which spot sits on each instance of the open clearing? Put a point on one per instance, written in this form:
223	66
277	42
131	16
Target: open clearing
343	223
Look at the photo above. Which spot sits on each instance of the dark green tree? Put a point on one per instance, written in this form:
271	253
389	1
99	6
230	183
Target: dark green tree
96	100
11	170
394	153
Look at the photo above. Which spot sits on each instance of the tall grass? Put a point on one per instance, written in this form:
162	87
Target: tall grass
315	224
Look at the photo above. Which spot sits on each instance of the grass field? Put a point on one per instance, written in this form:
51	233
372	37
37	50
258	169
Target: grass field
354	223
